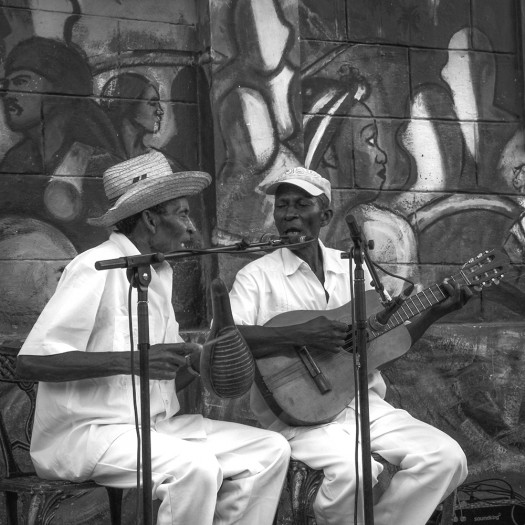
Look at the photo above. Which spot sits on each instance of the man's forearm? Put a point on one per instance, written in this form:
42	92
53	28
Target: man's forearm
72	366
421	323
264	340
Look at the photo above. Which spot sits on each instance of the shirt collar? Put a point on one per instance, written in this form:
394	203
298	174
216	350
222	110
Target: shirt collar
161	274
332	261
127	247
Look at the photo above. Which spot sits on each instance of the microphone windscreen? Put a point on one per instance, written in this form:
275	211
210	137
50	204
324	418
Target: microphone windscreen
227	364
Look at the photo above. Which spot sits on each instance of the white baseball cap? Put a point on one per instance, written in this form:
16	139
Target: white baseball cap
309	180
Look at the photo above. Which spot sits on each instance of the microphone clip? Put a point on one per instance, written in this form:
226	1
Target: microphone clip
379	320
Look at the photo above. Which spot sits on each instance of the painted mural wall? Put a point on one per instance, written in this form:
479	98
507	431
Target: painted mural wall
413	109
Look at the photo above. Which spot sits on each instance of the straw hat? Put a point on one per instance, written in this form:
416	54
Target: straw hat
139	183
309	180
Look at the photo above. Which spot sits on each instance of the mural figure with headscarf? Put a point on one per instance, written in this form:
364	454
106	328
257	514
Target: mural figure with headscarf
342	143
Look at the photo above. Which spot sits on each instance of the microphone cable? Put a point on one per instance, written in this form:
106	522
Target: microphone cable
135	404
356	398
395	276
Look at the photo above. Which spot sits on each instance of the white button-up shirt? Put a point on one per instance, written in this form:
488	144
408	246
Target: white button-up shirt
75	421
281	282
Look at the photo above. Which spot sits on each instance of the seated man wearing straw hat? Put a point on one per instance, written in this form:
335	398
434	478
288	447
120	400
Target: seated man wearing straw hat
203	471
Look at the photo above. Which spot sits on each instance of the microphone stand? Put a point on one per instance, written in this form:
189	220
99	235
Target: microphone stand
358	254
139	275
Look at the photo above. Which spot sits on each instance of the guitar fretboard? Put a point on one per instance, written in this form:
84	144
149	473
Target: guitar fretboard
417	304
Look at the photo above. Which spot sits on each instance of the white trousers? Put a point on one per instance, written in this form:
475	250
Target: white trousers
234	476
432	466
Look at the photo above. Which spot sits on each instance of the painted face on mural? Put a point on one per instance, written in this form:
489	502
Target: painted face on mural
23	105
148	111
358	150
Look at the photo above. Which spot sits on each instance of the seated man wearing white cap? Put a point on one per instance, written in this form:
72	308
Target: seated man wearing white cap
203	471
314	277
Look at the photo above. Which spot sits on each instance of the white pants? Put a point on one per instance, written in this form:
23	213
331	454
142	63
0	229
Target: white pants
432	466
234	476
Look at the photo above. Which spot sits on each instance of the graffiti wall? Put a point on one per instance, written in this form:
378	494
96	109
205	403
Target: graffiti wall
86	85
413	109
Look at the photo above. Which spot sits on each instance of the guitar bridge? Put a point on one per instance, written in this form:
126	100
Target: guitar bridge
321	382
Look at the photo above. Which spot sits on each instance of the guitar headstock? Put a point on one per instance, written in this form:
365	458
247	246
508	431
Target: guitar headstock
485	269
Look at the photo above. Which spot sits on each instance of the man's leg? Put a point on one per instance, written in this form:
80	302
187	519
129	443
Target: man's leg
254	464
432	465
331	448
185	476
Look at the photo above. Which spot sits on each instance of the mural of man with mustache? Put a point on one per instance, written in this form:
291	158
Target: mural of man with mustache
34	68
64	133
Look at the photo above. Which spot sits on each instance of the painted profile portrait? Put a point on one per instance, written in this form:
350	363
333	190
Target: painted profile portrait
343	143
132	102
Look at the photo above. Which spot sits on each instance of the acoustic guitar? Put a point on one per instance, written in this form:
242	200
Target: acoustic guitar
308	387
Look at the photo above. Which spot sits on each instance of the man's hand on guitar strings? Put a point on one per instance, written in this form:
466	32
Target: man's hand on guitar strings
458	296
322	333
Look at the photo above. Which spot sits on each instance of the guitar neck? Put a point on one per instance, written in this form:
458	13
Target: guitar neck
417	304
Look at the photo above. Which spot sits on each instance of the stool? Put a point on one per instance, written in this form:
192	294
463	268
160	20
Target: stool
303	482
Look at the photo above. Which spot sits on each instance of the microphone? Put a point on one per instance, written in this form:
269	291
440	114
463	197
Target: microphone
377	321
355	230
282	240
130	261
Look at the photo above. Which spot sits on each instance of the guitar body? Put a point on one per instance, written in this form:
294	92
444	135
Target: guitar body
287	385
285	378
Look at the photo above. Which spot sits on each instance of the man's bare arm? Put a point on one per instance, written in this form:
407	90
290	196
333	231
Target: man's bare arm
164	362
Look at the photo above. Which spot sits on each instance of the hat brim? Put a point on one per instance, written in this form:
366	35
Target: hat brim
150	192
312	190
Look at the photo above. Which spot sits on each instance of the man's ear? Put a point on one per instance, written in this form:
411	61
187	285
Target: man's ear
149	220
326	216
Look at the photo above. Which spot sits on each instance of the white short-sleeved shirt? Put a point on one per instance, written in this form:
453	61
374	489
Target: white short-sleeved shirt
281	282
76	421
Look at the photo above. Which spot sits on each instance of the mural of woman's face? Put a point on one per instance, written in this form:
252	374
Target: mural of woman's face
148	111
23	106
358	150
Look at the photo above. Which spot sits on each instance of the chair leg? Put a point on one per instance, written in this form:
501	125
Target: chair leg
115	504
11	502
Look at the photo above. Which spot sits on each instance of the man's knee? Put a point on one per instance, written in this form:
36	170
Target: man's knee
454	460
200	468
279	447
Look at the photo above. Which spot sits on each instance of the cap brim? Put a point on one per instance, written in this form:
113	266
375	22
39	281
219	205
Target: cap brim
150	192
312	190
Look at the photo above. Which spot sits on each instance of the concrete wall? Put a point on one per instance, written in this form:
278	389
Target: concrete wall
412	109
